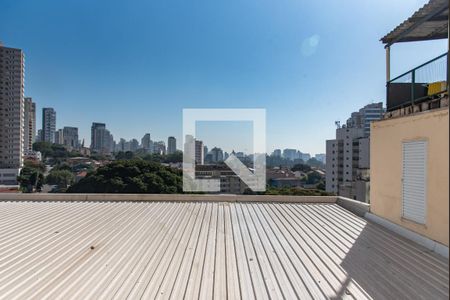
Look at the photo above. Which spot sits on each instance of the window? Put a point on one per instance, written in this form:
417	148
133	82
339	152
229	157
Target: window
414	181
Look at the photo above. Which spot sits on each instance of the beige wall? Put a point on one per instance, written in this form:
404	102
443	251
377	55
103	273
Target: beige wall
386	170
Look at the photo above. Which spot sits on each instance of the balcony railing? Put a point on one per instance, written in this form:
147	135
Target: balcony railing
418	85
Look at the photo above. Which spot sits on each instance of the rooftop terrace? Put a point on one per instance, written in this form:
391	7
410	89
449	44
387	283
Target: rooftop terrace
219	247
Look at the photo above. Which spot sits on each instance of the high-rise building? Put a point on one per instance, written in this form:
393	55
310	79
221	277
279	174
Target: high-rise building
217	155
290	154
347	157
12	81
304	156
205	150
30	123
126	146
321	157
59	137
199	154
276	153
97	135
159	148
171	145
134	145
365	116
102	140
48	124
39	136
70	137
146	142
121	145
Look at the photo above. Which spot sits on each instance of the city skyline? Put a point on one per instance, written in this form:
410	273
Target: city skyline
245	140
282	68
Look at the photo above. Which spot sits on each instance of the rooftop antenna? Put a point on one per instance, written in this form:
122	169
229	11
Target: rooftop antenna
338	124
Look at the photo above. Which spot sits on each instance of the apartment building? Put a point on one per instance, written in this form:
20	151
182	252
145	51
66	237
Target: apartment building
348	156
30	123
410	146
48	124
12	76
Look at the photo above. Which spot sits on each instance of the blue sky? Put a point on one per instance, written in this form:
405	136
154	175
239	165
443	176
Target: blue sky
136	64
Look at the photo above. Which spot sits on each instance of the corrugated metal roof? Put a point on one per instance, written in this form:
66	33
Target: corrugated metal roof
428	23
207	250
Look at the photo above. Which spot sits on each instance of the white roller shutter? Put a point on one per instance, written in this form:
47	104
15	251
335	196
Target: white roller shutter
414	180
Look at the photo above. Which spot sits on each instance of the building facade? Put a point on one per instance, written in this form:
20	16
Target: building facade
348	163
12	81
410	146
30	123
409	174
48	124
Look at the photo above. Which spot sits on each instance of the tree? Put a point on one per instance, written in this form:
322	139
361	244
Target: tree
294	191
61	178
37	165
155	157
124	155
62	166
55	151
313	177
44	147
30	179
130	176
175	157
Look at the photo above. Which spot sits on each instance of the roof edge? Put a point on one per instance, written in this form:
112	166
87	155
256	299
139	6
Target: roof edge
46	197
